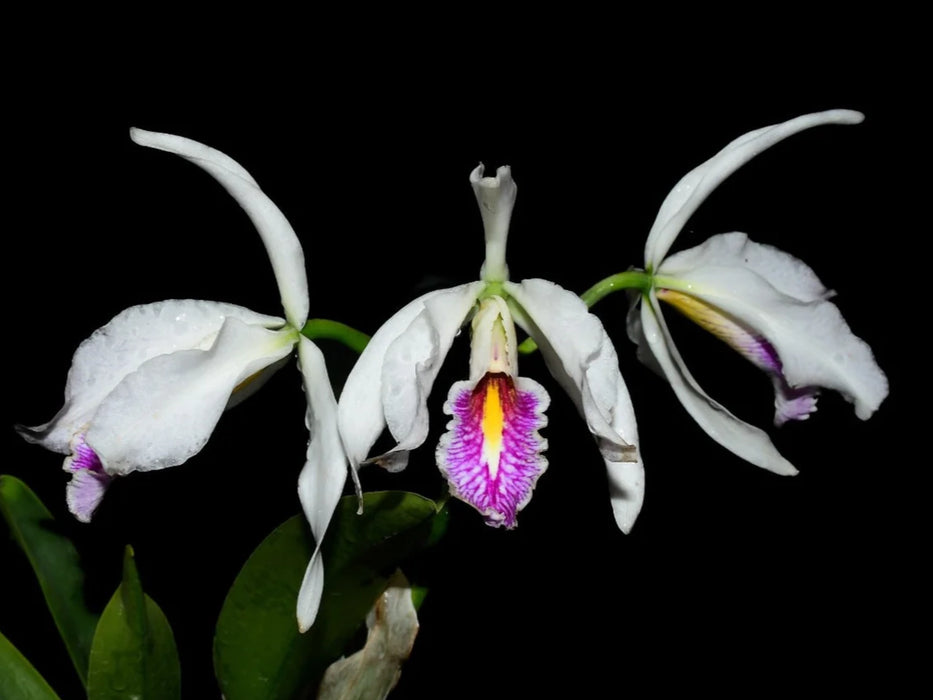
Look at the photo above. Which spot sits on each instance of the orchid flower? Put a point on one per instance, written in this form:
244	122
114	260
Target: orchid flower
766	304
492	453
146	390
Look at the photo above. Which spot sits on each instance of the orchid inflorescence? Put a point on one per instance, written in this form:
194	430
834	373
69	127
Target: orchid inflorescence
146	390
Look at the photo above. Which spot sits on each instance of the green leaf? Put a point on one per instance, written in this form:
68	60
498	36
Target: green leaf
55	561
133	654
18	678
258	652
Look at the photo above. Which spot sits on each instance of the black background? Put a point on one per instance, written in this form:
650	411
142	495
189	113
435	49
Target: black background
732	575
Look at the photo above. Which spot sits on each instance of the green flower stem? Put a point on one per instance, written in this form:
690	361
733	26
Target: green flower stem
316	328
630	279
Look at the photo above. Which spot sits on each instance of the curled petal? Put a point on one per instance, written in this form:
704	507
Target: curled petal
360	416
164	412
492	454
278	236
697	185
361	411
740	438
133	337
579	355
321	482
779	298
411	364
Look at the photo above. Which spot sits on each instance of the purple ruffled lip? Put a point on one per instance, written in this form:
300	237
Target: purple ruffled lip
492	453
88	482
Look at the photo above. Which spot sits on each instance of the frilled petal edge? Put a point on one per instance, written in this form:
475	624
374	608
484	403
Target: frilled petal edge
322	479
740	438
164	412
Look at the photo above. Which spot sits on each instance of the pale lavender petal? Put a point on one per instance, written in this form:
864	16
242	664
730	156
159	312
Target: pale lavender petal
88	482
492	454
792	403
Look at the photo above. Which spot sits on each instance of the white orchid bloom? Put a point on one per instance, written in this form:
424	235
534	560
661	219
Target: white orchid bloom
145	391
492	454
766	304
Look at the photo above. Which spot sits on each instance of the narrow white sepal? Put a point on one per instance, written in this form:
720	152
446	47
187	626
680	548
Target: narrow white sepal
626	478
496	199
278	236
322	479
740	438
697	185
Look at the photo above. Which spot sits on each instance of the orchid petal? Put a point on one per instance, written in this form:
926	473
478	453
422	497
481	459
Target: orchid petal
780	298
496	198
579	355
131	338
697	185
164	412
740	438
412	362
360	412
321	482
626	478
278	236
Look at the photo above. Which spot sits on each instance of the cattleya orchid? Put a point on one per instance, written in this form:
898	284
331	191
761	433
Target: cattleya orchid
492	453
766	304
146	390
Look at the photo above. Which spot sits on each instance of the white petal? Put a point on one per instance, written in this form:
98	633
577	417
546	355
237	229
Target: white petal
697	185
131	338
321	482
412	362
360	412
278	236
496	198
626	479
165	411
779	297
579	355
740	438
783	271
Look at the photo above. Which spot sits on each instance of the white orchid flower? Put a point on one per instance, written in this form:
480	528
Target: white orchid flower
766	304
492	454
145	391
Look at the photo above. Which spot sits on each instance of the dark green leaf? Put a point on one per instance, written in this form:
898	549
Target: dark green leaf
55	561
133	654
18	678
258	652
